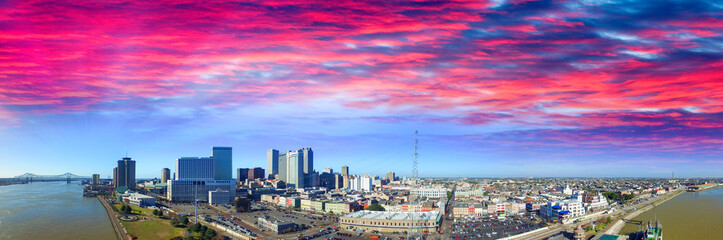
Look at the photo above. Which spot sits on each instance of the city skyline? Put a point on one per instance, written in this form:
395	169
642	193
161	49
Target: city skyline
498	88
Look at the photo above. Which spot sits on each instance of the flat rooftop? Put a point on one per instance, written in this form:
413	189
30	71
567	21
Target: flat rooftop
378	215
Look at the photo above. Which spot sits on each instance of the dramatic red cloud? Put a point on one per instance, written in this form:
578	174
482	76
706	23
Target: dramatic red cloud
517	63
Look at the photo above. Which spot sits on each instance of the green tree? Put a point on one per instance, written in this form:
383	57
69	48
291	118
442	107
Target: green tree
160	213
184	220
126	209
174	222
611	195
449	194
155	212
209	234
375	207
197	227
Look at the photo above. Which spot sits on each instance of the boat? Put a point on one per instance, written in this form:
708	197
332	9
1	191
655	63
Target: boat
654	231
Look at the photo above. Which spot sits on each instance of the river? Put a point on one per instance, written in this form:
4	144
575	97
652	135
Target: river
51	210
690	215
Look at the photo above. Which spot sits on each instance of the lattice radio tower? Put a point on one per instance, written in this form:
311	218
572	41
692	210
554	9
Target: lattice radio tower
415	171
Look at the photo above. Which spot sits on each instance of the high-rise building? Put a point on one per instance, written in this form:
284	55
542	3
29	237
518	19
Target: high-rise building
126	173
256	173
222	163
96	179
345	181
282	160
242	174
328	170
272	162
190	168
196	176
344	170
295	169
338	181
391	176
279	164
165	175
310	178
365	183
115	177
308	155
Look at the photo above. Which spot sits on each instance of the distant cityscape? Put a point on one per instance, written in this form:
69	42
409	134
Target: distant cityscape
294	201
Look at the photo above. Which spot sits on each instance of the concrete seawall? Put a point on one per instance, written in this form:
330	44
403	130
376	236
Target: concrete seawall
117	227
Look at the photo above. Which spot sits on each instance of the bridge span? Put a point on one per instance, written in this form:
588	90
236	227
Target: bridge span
31	177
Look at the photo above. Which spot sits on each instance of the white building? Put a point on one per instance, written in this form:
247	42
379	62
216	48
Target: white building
295	169
365	183
567	190
140	200
428	192
562	210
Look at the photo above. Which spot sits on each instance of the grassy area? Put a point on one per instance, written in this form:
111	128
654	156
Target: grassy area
153	229
136	210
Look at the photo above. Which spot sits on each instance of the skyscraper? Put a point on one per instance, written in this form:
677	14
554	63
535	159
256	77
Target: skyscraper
391	176
295	169
308	160
344	170
256	173
338	181
222	163
272	162
196	176
194	168
242	174
282	160
165	175
126	173
115	177
96	179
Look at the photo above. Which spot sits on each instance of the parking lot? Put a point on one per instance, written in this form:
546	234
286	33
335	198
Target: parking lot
491	228
188	209
315	225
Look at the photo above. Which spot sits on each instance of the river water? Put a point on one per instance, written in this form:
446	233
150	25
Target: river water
690	215
51	210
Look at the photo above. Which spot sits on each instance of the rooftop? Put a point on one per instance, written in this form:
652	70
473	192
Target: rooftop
415	216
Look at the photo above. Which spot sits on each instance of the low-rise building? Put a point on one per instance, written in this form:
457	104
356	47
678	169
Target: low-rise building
216	197
469	209
278	227
428	192
388	222
139	200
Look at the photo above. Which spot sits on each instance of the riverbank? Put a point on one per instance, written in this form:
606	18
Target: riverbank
619	224
113	217
7	182
690	215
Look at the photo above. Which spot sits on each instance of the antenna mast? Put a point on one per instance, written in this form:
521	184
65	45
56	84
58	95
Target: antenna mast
415	171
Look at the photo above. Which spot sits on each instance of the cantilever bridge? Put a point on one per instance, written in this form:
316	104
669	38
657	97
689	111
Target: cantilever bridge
46	178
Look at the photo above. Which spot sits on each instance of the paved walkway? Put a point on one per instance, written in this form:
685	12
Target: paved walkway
113	216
